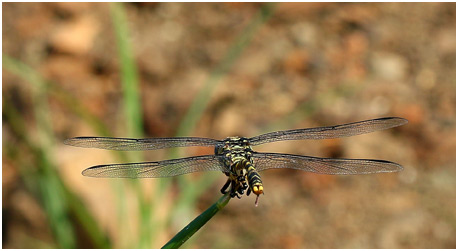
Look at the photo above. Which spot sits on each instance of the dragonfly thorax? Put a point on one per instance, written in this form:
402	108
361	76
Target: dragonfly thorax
236	152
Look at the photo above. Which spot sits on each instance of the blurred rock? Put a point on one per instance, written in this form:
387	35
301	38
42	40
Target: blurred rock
73	8
447	41
75	36
389	66
38	19
297	62
305	33
426	79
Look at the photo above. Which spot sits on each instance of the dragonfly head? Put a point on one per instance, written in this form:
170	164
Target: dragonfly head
232	144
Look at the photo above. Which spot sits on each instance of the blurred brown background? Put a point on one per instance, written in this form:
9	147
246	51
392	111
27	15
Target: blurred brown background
306	65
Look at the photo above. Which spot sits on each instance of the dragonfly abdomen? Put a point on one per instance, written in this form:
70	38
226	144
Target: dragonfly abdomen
254	179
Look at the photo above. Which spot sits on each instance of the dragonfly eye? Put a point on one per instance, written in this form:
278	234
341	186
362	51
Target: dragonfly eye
219	149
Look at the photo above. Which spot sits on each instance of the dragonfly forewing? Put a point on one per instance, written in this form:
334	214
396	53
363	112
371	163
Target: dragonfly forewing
329	132
263	161
127	144
158	169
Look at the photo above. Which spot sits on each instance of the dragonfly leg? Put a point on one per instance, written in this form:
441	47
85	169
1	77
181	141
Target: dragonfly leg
233	189
237	188
235	193
241	190
223	189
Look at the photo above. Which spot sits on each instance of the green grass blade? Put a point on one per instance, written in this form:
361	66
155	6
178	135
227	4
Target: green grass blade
78	209
129	76
202	99
35	185
28	74
51	195
188	231
132	111
57	199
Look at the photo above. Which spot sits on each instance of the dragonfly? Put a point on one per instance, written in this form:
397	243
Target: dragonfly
235	157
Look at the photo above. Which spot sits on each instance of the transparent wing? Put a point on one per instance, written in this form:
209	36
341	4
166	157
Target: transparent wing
328	132
263	161
158	169
126	144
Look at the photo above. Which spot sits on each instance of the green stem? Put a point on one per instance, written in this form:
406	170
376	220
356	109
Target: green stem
188	231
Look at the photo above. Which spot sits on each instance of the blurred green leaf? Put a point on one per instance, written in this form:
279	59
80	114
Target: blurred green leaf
28	75
51	194
202	99
57	199
132	112
129	76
